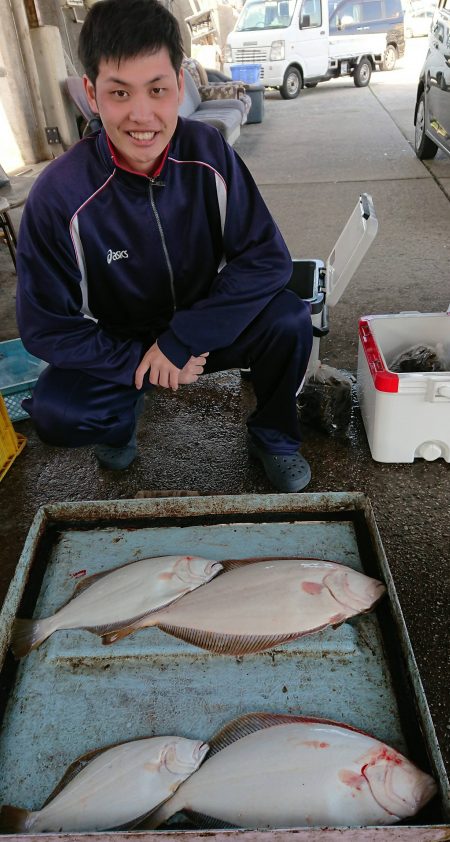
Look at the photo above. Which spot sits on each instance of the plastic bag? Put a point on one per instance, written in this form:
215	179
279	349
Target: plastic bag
325	401
419	358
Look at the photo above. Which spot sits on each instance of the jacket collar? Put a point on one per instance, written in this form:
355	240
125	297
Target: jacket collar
113	162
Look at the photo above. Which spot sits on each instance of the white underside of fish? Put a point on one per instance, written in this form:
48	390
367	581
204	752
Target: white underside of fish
133	590
254	606
120	785
118	597
302	774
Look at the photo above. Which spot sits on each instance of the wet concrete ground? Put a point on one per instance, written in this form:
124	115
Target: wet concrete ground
346	141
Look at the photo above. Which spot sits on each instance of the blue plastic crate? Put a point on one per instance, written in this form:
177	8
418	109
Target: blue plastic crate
248	73
19	372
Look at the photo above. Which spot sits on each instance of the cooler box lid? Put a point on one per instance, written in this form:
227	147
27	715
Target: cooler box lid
350	248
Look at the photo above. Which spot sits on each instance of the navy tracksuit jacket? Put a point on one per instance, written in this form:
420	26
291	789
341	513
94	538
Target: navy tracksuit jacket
109	261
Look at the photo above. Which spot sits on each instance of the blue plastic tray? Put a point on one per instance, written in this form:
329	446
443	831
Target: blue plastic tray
19	372
73	694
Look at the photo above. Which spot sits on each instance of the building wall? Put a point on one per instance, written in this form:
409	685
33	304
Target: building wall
22	139
18	140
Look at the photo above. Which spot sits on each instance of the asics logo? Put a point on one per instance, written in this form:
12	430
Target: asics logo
116	255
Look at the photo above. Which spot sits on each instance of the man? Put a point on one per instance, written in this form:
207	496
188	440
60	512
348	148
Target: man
148	257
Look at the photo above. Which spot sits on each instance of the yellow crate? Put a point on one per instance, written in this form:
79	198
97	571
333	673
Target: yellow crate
11	443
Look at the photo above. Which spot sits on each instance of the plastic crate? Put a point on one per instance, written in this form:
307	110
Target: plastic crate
11	443
19	372
248	73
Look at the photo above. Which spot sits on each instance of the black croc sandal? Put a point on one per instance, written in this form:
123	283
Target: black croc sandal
288	473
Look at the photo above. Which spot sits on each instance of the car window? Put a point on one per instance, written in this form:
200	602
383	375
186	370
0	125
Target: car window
371	11
352	12
439	31
393	9
313	10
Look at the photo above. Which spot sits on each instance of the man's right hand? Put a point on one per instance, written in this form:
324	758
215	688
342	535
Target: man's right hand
193	369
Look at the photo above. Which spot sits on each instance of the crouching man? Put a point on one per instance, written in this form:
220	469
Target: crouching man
147	257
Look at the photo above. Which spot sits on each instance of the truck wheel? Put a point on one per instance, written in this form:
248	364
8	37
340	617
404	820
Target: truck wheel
362	73
292	83
424	146
389	59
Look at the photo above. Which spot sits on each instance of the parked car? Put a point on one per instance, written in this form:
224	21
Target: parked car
386	17
432	110
418	19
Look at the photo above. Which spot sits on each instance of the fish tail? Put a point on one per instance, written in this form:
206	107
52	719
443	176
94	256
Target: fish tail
14	819
28	635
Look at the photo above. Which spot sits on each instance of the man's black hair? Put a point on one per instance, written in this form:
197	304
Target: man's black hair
123	29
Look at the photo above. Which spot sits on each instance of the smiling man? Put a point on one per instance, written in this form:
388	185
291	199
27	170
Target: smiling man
147	258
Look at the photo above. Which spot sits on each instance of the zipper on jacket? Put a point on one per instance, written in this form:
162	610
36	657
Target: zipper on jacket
163	241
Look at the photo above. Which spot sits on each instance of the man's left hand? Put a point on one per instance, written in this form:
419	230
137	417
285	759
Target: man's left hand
164	373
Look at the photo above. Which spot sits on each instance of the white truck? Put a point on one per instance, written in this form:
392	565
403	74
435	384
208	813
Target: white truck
291	41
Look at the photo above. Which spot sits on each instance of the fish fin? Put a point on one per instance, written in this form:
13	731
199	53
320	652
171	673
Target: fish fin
204	822
14	819
78	765
249	723
118	634
159	816
75	767
86	583
28	635
114	631
191	820
227	644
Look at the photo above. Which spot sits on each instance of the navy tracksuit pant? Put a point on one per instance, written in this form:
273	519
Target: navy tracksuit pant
71	408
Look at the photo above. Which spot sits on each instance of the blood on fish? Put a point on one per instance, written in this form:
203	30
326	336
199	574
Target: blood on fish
165	576
352	779
78	574
386	754
315	744
312	587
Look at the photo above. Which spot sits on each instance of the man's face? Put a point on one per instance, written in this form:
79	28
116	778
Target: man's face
138	103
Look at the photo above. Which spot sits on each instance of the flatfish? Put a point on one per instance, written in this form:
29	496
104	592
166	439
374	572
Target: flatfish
255	606
275	771
115	598
112	788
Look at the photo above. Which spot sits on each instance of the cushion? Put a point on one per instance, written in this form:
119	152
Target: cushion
196	70
191	99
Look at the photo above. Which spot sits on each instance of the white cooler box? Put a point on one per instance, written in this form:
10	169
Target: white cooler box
322	284
406	415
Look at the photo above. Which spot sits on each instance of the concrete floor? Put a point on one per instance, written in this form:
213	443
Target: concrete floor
311	158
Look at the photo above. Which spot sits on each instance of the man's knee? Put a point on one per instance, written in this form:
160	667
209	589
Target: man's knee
291	316
73	409
48	411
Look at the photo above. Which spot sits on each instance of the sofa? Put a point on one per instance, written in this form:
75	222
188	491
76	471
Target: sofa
227	115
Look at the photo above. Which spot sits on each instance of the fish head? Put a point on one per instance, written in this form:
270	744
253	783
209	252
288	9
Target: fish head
396	784
181	756
194	571
355	591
